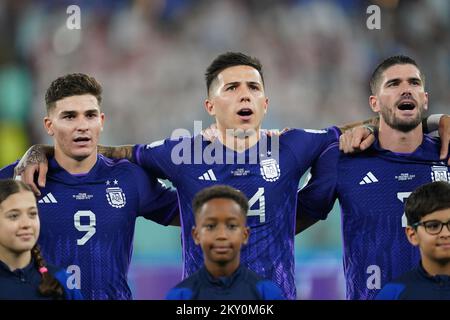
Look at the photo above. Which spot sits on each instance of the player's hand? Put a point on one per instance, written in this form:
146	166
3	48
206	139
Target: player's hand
274	132
211	133
357	139
444	133
34	160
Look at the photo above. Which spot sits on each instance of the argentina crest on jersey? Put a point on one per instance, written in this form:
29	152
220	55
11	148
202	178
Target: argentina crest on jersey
270	170
440	173
115	195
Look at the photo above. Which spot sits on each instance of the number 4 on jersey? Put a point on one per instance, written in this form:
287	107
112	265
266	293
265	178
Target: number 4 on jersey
261	211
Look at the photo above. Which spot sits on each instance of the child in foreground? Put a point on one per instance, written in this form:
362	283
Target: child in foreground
428	212
221	230
24	275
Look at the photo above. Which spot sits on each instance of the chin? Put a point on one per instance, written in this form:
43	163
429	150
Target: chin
23	247
222	261
406	126
80	156
247	127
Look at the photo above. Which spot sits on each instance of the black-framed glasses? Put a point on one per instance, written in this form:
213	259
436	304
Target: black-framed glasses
433	227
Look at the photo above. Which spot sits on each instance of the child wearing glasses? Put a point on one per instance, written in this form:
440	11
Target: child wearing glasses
428	213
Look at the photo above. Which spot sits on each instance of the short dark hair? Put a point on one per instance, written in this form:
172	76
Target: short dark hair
375	79
427	199
73	84
220	191
227	60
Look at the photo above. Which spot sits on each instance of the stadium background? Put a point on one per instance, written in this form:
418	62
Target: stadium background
150	57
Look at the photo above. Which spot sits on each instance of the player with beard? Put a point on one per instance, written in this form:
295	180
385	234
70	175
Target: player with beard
372	186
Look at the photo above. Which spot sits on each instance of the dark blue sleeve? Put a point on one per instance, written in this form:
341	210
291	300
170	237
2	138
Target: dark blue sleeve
179	294
70	294
156	159
390	291
8	171
317	197
156	201
310	144
269	290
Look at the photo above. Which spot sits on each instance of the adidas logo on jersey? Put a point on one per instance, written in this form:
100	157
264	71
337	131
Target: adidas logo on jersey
208	175
48	198
368	178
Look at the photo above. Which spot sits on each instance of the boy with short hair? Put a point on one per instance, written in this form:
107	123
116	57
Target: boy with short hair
221	230
428	213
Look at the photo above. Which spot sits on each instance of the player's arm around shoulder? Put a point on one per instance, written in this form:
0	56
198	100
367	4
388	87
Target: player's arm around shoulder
164	158
309	142
156	201
317	196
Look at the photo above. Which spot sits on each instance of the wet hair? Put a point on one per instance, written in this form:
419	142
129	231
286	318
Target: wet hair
49	286
227	60
375	79
220	191
427	199
73	84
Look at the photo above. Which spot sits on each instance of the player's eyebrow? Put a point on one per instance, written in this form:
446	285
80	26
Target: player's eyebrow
254	83
68	113
92	111
415	79
236	83
73	112
397	80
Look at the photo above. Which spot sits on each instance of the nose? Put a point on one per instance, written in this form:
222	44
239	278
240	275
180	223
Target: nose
406	89
244	94
82	124
25	223
221	233
245	99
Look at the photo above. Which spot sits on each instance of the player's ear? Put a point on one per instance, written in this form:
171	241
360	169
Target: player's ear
411	234
245	235
209	107
48	125
373	103
425	105
102	120
266	105
195	235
